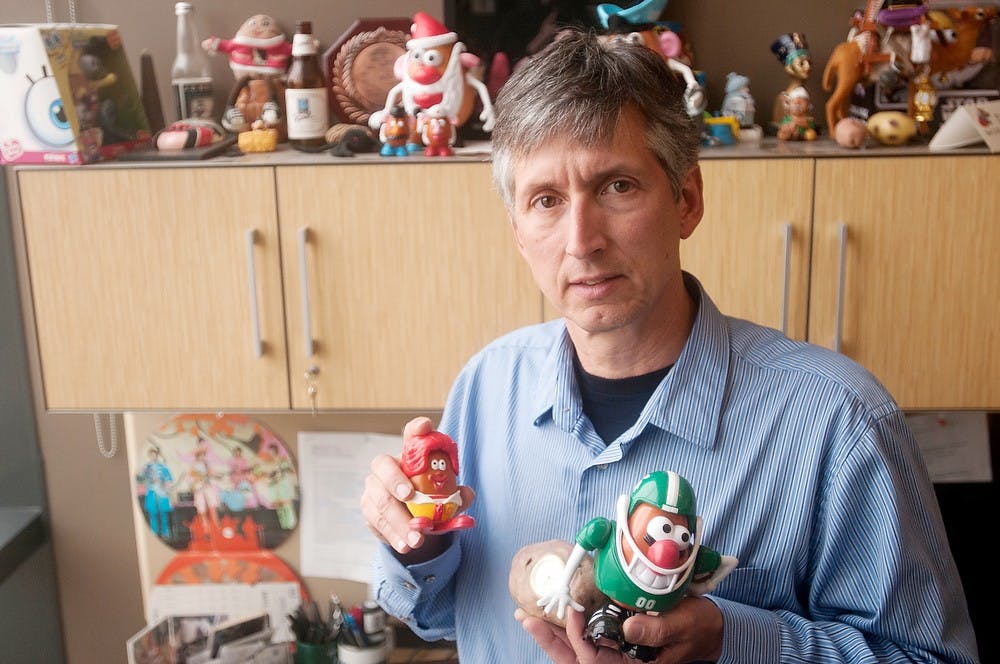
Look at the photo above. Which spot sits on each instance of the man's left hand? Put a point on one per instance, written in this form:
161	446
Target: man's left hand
689	632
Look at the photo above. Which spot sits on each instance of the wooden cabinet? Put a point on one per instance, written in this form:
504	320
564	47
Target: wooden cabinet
151	286
408	270
916	276
140	284
751	249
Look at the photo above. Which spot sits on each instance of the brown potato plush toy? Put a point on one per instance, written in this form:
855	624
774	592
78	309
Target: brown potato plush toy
535	566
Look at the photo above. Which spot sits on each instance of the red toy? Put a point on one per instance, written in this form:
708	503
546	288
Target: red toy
431	463
437	131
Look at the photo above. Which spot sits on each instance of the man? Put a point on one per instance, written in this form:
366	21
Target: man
804	467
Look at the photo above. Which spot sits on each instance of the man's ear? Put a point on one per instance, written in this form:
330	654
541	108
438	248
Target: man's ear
691	203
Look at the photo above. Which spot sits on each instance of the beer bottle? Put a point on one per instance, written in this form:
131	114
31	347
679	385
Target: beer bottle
306	101
191	75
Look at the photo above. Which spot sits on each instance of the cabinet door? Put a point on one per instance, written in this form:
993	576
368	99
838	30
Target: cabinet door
141	287
917	274
409	270
751	249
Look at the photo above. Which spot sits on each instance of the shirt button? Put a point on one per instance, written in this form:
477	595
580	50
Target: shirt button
602	466
409	586
430	578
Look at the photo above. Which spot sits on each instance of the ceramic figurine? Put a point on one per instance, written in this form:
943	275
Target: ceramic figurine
394	134
638	24
435	71
437	131
738	102
431	463
258	56
797	124
646	560
792	51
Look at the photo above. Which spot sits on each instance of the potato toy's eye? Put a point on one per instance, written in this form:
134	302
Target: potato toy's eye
661	528
45	113
634	38
431	58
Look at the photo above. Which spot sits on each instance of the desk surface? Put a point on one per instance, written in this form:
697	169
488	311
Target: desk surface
21	533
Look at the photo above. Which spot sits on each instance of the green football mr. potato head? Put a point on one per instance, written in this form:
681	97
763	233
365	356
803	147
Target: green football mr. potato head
645	561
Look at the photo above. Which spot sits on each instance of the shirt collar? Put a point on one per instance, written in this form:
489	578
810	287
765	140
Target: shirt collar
688	401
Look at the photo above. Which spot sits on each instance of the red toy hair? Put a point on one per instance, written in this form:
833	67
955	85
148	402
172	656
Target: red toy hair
417	451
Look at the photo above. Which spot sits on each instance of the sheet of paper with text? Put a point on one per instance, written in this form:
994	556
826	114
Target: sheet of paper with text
334	541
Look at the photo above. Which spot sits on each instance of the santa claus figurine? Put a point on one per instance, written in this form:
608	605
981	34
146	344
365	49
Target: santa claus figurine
258	55
434	72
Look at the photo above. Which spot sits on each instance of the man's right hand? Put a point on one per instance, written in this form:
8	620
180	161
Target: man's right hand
382	504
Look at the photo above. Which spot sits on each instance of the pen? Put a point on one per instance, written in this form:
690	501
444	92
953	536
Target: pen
355	632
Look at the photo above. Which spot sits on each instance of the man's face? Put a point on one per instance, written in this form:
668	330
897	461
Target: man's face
601	230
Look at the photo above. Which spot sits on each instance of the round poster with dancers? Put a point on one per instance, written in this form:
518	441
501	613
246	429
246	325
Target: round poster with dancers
217	483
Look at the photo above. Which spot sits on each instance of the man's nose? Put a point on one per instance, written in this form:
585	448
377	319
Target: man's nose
585	233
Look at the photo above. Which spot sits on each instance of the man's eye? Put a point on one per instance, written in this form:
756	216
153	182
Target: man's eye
544	202
620	187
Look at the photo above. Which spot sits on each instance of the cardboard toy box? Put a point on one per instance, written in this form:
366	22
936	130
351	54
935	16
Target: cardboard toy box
67	95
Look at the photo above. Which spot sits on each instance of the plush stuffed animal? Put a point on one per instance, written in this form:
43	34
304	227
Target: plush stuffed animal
258	55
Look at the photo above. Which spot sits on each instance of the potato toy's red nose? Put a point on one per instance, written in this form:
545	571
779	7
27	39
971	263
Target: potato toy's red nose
664	553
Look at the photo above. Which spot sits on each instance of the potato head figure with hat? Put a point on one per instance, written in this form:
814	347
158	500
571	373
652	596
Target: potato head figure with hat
434	72
645	561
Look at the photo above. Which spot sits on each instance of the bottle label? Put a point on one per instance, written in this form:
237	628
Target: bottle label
194	98
308	114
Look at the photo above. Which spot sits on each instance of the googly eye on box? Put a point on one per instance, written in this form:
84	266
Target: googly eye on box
67	95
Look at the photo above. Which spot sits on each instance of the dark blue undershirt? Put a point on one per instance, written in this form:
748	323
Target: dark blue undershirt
614	404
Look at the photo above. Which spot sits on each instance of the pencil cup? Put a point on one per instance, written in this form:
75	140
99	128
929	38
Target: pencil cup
316	653
371	655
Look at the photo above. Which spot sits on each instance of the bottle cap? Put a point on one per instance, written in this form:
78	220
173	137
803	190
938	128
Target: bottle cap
182	8
304	27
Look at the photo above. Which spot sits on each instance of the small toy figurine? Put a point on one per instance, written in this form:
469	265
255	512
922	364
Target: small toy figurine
258	55
437	131
738	102
646	561
435	71
638	24
792	50
431	463
395	133
797	125
850	133
892	127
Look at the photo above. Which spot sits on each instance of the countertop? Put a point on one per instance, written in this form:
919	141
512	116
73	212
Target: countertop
21	533
480	151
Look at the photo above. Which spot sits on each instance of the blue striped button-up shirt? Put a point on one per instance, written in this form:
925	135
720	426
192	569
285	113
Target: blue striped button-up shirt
803	467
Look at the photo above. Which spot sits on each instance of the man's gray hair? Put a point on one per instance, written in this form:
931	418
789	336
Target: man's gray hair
578	89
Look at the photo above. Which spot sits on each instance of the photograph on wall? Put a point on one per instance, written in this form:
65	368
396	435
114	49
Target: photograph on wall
217	483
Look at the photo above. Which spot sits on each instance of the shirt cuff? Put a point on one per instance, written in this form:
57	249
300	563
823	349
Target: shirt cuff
749	634
402	590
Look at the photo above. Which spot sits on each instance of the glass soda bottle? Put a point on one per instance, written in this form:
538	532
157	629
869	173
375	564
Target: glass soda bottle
191	75
306	101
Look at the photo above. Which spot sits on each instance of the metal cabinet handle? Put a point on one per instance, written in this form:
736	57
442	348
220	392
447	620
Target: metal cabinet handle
304	278
837	332
788	275
258	345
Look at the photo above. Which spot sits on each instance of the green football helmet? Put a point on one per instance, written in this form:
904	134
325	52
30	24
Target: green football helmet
668	491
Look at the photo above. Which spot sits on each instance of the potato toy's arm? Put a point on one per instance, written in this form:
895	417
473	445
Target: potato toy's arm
558	597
